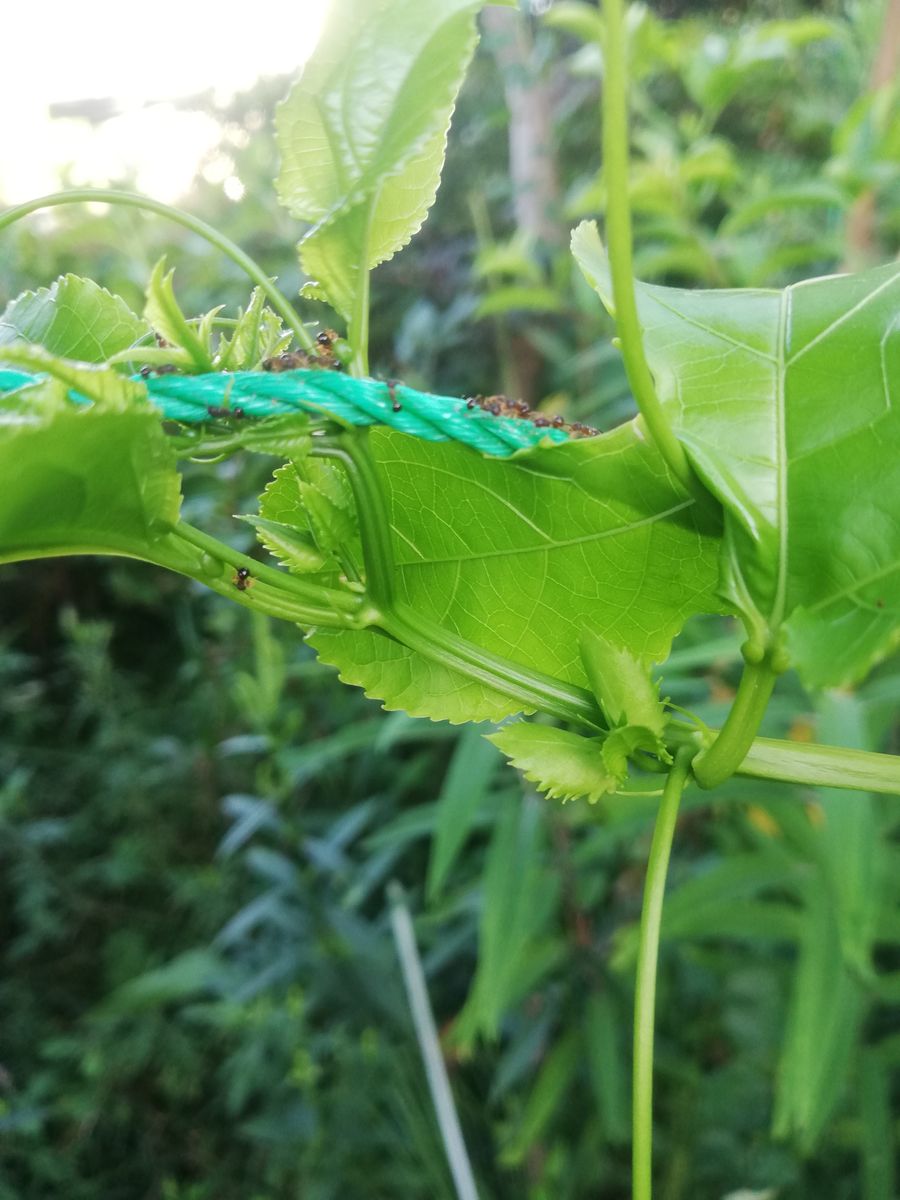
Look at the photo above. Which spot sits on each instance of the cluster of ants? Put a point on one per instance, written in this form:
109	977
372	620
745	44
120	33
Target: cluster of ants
502	406
296	360
324	357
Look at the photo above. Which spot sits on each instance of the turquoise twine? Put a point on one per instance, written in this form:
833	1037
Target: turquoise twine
259	394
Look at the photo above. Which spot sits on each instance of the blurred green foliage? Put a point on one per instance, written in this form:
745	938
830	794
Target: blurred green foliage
199	995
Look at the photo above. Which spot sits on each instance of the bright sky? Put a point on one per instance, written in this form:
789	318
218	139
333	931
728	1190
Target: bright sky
142	56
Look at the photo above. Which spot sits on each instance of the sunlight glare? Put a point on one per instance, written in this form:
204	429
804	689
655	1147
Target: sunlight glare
136	69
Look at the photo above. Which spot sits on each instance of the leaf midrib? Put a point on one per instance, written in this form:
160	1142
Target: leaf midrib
553	545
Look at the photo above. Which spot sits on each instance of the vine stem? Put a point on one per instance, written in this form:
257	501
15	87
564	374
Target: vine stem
618	232
212	235
645	982
533	689
328	600
718	763
822	766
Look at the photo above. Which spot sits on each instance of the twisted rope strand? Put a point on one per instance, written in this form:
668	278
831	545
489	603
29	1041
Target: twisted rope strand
193	399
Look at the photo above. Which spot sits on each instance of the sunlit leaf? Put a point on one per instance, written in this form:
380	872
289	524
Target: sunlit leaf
362	135
74	318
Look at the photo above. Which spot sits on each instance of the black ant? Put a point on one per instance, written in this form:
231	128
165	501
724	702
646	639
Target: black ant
242	579
161	369
298	360
215	410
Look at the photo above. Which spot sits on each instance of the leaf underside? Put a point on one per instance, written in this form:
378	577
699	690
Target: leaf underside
517	556
788	403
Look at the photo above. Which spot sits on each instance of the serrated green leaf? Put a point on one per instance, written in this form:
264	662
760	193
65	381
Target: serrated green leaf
257	335
363	134
313	499
565	765
787	404
74	318
621	683
383	78
518	555
283	437
288	545
390	672
338	254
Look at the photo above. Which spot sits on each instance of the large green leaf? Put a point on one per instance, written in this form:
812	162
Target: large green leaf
362	134
382	78
337	254
789	405
74	318
85	480
518	556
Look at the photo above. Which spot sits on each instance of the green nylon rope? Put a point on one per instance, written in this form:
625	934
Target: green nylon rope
194	399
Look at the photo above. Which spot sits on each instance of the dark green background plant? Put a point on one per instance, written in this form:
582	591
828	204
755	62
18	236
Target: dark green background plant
190	1024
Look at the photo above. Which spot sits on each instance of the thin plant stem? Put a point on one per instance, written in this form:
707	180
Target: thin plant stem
212	235
349	605
618	233
822	766
430	1046
645	983
352	451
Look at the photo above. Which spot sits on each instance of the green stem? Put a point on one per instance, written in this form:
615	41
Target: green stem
718	763
645	983
189	552
822	766
532	688
334	606
131	199
618	231
352	451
